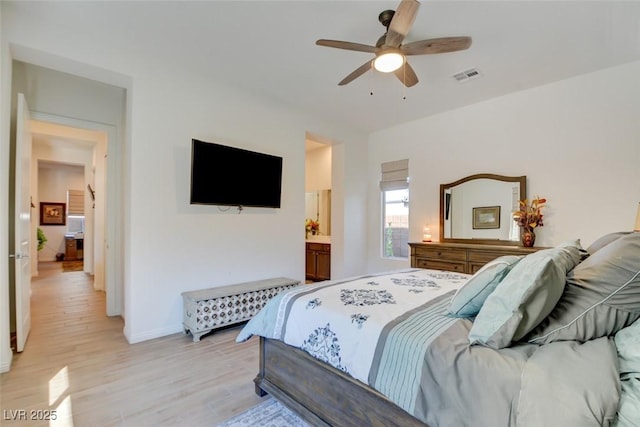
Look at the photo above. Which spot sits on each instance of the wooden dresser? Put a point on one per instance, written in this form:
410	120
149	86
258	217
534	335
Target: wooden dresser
460	257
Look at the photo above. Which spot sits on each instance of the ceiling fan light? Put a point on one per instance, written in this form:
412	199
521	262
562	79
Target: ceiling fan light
388	62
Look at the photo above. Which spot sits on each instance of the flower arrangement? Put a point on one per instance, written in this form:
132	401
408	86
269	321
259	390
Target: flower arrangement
311	226
529	216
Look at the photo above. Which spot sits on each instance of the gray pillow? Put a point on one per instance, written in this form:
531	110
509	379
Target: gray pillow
469	298
603	241
524	297
601	297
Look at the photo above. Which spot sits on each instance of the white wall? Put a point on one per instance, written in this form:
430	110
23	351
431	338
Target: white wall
176	247
169	245
577	141
318	169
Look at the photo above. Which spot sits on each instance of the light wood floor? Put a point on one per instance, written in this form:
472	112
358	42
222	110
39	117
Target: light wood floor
78	363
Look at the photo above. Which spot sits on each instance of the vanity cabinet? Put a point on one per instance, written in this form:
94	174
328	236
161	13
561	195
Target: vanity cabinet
460	257
73	248
318	261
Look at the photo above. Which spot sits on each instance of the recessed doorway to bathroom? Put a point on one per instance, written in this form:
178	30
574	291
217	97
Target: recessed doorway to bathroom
317	211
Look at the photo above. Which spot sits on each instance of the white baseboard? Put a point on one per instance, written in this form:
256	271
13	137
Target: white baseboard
133	338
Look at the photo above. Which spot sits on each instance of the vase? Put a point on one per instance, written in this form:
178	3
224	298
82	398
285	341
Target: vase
528	237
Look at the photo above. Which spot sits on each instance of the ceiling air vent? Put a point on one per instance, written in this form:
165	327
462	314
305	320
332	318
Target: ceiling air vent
465	76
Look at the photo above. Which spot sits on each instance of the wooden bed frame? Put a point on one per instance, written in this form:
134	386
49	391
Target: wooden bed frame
321	394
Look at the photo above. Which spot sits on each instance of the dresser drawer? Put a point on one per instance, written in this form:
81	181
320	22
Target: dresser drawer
458	267
474	267
484	256
322	247
441	253
462	258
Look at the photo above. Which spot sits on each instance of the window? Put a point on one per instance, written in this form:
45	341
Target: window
75	211
75	224
396	223
394	186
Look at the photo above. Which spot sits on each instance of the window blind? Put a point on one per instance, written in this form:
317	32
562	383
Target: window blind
395	175
75	202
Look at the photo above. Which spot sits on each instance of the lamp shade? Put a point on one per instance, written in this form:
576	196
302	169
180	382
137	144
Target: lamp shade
637	226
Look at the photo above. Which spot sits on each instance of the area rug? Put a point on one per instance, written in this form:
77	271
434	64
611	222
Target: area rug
72	266
269	413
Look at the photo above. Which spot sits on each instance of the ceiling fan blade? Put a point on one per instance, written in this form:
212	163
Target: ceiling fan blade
346	45
440	45
406	75
401	22
356	73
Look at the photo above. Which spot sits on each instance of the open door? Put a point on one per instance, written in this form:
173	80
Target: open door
22	224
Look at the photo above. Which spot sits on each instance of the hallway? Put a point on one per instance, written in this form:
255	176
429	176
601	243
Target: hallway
78	366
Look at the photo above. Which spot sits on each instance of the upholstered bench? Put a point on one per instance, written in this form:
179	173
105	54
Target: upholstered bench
209	309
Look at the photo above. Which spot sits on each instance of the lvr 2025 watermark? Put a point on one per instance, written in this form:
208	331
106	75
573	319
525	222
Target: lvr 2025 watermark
29	414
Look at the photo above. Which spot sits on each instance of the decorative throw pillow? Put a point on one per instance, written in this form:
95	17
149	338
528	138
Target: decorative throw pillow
602	295
469	298
524	297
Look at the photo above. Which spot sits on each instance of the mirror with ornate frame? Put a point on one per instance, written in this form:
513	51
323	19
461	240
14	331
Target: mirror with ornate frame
477	209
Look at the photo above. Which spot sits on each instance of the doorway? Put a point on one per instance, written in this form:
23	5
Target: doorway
70	165
73	113
318	186
90	114
65	161
74	144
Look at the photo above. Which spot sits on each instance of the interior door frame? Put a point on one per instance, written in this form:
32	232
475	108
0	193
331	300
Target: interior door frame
113	216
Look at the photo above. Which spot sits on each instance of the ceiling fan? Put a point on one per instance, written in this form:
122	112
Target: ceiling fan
390	53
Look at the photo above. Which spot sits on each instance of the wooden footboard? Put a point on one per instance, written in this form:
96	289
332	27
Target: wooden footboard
321	394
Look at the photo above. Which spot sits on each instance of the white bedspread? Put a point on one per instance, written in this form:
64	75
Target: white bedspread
344	320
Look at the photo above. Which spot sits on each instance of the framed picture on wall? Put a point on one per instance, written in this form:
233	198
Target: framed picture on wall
52	213
486	217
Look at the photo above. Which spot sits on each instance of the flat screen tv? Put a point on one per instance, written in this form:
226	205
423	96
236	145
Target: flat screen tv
229	176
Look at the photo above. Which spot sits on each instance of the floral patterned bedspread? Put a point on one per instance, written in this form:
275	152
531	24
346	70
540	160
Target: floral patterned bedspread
359	325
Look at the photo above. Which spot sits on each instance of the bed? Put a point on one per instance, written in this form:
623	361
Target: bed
550	338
